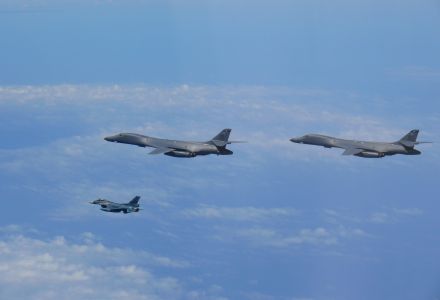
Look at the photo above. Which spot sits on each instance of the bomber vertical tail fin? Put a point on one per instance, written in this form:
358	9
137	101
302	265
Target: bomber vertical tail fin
221	139
410	139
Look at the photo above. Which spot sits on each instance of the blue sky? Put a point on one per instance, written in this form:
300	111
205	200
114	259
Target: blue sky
274	221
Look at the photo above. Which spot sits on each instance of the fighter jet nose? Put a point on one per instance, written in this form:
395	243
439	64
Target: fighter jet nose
107	139
295	140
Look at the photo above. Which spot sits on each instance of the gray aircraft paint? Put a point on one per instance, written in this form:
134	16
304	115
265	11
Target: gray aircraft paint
217	145
364	148
109	206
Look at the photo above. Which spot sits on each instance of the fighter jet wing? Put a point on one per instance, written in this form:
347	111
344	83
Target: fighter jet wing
161	150
352	151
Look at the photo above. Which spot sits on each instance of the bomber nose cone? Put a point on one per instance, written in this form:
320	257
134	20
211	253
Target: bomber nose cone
296	140
108	139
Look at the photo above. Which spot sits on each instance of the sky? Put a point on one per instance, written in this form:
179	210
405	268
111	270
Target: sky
275	220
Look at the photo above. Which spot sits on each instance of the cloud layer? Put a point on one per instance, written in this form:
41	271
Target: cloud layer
219	223
55	268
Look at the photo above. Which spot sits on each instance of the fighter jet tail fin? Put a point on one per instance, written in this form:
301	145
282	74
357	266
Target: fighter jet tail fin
410	139
221	139
135	200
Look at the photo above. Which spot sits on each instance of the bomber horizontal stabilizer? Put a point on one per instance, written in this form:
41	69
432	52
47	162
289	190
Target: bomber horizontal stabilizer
408	144
417	143
161	150
352	151
219	143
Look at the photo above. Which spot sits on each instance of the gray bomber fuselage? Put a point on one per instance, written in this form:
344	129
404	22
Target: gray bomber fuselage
369	149
176	148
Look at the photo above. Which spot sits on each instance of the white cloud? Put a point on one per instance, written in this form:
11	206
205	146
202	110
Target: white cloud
379	217
261	296
32	268
335	216
16	229
415	73
319	236
258	114
238	213
394	215
408	211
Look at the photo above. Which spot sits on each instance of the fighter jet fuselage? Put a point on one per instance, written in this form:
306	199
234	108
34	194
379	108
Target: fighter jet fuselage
109	206
176	148
364	148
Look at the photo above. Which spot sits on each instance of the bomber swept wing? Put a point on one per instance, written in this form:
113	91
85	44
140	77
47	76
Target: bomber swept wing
352	151
161	150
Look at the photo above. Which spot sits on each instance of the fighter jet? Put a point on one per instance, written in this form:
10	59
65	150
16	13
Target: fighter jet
217	145
132	206
363	148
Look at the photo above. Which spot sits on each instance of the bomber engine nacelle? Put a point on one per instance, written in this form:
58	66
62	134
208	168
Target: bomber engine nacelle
181	154
368	154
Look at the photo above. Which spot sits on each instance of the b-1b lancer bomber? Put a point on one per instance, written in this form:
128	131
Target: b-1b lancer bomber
363	148
217	145
132	206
